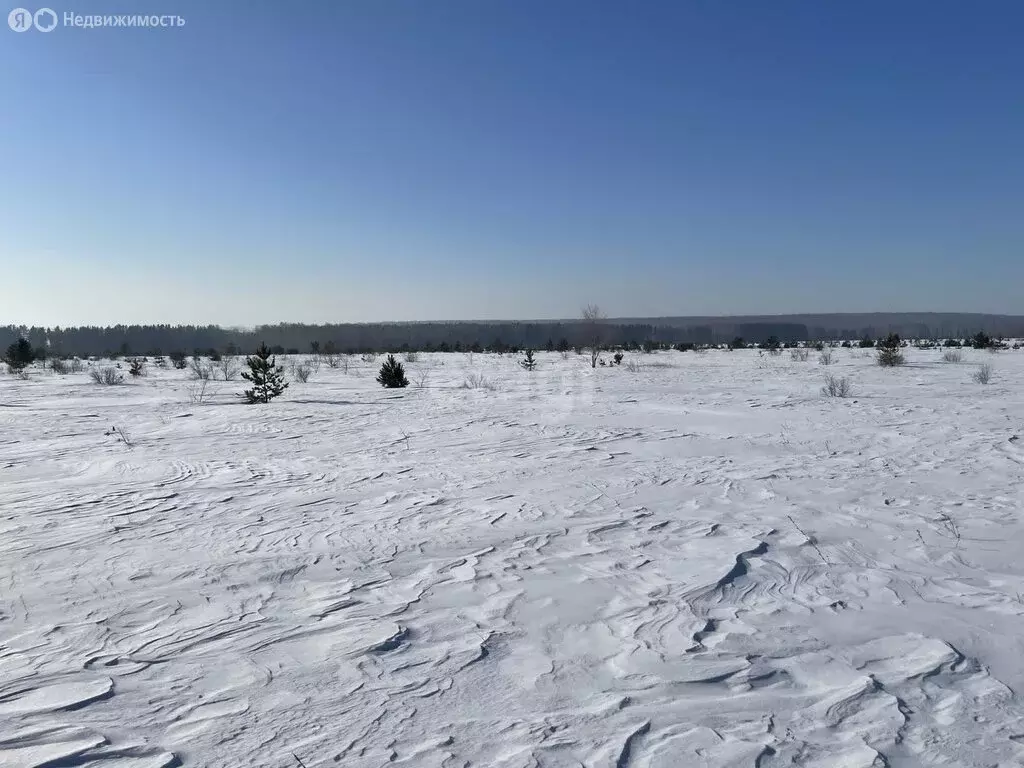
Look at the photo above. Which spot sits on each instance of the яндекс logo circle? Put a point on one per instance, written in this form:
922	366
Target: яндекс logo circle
20	20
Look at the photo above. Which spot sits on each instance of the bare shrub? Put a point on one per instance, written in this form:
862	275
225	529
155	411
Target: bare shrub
634	366
368	357
476	381
953	356
58	366
228	368
200	370
330	354
983	375
420	379
411	357
826	357
799	355
75	365
199	392
700	351
302	373
119	434
106	375
593	329
837	386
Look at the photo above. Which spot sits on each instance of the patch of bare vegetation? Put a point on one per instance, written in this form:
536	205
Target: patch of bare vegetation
837	386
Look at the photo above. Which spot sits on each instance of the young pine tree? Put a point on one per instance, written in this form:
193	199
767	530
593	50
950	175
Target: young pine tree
888	350
267	378
981	340
19	355
392	374
528	362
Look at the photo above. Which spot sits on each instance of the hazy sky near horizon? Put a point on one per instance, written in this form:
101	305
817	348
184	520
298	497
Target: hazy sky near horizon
352	160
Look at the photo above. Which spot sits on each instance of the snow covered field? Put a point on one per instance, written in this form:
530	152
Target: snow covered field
701	563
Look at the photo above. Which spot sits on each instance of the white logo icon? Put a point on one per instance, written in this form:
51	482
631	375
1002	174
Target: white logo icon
45	20
20	20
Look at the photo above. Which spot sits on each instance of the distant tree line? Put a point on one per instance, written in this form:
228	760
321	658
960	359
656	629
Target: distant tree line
293	338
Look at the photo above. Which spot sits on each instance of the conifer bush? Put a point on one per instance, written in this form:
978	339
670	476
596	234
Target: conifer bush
266	376
981	340
19	355
888	350
392	374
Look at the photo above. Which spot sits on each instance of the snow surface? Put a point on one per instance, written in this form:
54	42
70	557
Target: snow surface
703	563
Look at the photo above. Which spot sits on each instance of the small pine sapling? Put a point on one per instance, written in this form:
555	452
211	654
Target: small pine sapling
888	350
266	377
19	355
392	374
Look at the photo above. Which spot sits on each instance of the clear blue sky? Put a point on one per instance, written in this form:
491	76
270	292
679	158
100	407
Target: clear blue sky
361	160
